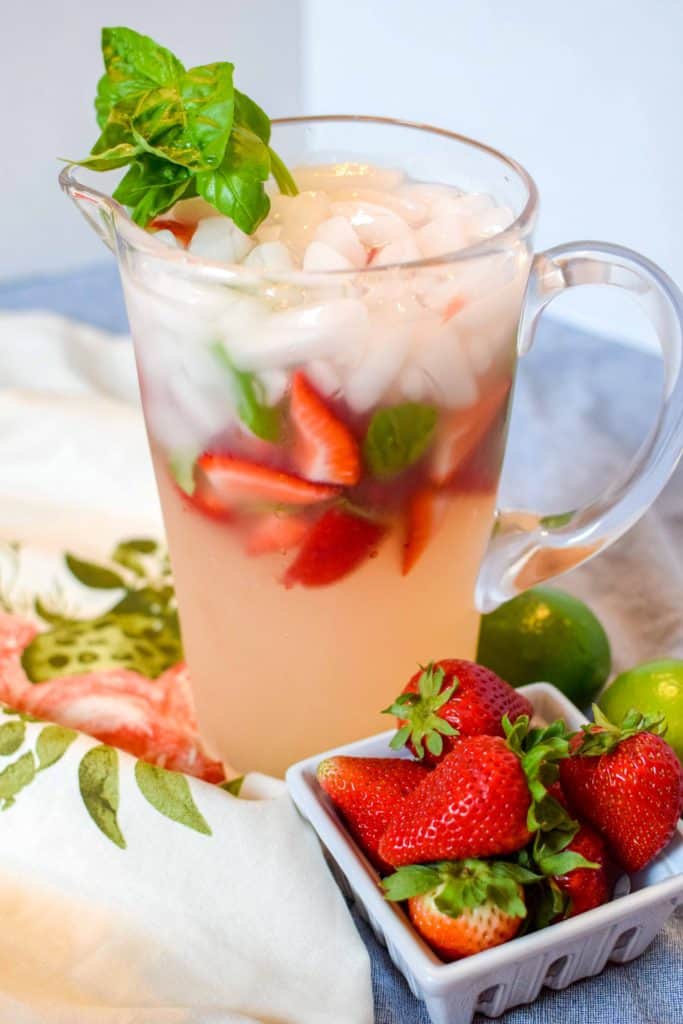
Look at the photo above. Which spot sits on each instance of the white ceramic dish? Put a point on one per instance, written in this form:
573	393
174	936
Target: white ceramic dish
509	975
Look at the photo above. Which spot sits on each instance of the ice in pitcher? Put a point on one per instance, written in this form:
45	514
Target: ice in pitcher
327	419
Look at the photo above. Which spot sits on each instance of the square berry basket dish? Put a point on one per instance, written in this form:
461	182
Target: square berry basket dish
512	974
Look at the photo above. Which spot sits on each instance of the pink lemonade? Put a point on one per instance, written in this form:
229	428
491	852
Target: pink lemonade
327	443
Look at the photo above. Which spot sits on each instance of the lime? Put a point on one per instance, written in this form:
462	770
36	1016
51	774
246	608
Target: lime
655	687
546	634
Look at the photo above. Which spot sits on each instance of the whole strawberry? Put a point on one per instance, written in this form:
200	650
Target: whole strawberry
367	791
627	781
462	907
578	870
453	698
487	797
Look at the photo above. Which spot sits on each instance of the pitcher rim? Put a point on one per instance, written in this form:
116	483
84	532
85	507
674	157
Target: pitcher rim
145	240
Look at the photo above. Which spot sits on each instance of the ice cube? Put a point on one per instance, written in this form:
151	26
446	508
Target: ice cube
338	234
270	256
404	250
442	357
367	383
168	238
490	222
298	218
323	376
413	211
219	240
274	383
319	256
284	339
374	225
443	236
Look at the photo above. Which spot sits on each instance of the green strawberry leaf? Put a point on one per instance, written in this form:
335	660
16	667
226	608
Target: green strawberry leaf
609	736
539	752
412	880
398	437
420	712
91	575
169	793
12	735
98	779
463	885
262	420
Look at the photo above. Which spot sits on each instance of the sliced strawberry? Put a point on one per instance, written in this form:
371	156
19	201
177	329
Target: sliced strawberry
183	232
325	449
223	481
423	514
275	532
336	545
462	431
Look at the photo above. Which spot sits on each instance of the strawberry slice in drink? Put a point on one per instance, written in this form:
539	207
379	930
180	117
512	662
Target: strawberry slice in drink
424	513
182	232
464	429
276	532
336	544
226	482
325	450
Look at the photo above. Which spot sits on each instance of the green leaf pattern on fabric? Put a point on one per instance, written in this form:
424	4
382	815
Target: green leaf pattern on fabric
169	793
98	780
14	777
12	735
52	743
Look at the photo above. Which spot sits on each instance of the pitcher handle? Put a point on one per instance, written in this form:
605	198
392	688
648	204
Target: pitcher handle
526	548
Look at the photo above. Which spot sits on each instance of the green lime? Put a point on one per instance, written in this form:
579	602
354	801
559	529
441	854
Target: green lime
655	687
545	634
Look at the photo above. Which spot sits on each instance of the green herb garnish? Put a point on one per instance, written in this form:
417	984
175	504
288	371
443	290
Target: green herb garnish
182	133
263	420
397	437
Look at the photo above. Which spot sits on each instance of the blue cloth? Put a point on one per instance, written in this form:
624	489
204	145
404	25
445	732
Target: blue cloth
646	991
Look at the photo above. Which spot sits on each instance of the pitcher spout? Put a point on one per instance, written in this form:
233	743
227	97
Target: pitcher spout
96	207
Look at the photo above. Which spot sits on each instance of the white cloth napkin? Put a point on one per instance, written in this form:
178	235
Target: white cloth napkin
179	927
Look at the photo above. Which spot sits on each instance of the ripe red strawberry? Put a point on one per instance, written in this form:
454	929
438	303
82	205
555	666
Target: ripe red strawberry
336	545
225	481
462	907
450	698
367	791
474	804
587	887
422	519
276	532
627	781
325	450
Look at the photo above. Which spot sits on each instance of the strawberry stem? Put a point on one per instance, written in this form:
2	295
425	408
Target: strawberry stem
419	711
463	885
608	736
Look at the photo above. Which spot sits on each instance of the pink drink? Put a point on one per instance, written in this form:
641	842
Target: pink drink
327	448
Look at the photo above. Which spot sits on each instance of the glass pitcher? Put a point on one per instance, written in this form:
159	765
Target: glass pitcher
306	604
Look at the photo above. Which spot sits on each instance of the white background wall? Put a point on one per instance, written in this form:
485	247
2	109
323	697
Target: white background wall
49	66
586	94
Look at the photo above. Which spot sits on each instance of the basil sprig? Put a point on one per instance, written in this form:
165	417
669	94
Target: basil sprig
182	133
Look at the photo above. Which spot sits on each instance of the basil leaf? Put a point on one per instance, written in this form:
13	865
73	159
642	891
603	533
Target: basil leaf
249	115
236	187
151	186
190	122
397	437
135	64
261	419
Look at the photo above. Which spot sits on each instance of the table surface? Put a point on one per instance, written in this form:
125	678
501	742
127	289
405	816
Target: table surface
581	408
